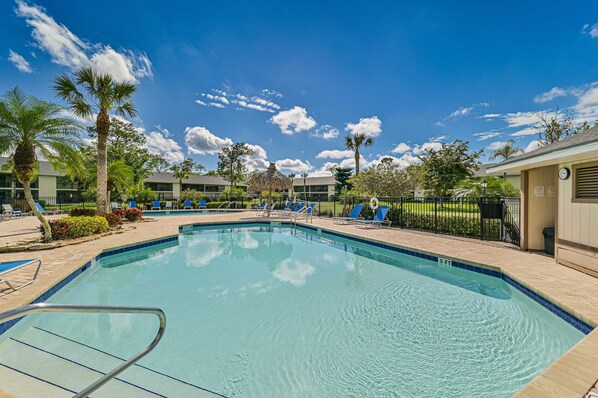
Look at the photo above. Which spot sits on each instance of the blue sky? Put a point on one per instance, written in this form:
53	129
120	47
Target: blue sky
293	78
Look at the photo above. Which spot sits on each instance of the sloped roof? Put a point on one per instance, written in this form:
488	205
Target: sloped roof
575	145
44	167
194	179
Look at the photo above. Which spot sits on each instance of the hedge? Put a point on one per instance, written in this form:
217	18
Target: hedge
77	227
81	211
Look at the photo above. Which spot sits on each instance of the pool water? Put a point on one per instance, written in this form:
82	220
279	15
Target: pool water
276	312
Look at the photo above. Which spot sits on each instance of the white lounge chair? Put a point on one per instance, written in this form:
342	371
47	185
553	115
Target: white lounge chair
41	209
170	206
12	212
8	266
115	206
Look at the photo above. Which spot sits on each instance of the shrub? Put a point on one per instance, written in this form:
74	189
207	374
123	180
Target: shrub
77	227
233	193
80	211
192	195
140	193
119	212
114	220
133	214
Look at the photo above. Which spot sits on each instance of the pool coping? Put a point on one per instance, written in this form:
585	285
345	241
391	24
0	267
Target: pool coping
538	384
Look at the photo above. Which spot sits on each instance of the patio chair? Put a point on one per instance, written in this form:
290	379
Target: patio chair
354	215
261	206
8	266
12	212
41	209
169	205
269	209
156	205
132	204
115	206
285	209
188	204
307	211
203	204
378	220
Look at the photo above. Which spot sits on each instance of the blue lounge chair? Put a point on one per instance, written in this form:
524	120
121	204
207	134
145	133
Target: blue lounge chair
156	205
261	206
378	220
307	211
203	204
355	214
188	204
41	209
132	204
286	208
8	266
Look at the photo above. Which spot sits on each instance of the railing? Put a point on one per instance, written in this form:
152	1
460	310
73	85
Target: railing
46	307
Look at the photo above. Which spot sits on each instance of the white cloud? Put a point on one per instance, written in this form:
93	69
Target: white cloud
66	49
258	160
324	170
490	116
200	141
334	154
586	109
486	135
19	62
294	165
326	132
222	99
350	162
525	131
293	120
519	119
535	144
158	143
401	148
439	138
496	145
592	30
370	126
463	111
422	149
404	161
551	94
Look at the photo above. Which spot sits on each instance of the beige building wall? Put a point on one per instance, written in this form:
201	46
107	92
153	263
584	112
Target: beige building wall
541	204
47	185
176	190
515	180
577	234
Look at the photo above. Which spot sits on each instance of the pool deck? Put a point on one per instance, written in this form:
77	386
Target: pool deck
572	375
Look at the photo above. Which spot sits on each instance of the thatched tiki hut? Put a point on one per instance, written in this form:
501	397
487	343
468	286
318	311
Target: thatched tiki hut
269	180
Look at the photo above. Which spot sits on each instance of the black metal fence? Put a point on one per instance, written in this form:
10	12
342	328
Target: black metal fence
495	219
48	202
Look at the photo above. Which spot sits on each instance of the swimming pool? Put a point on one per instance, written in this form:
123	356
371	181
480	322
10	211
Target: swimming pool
262	311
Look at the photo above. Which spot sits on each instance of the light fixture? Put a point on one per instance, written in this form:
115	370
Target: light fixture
484	184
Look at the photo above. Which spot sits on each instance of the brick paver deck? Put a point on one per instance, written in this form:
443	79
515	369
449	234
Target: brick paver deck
571	376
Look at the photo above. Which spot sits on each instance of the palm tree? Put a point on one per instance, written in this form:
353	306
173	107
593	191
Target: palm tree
184	170
29	125
304	176
292	177
355	142
119	177
506	152
100	94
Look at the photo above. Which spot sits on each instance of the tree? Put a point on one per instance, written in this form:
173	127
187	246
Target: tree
292	177
506	152
27	125
496	188
100	94
232	164
185	169
120	176
304	176
557	126
383	179
342	176
354	143
443	168
126	143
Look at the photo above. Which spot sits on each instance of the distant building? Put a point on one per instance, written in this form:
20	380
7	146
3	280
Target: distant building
315	187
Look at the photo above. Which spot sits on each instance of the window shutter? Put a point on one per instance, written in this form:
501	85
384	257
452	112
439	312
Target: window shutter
586	182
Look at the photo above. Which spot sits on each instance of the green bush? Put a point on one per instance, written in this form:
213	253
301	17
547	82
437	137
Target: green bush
192	195
80	211
85	226
77	227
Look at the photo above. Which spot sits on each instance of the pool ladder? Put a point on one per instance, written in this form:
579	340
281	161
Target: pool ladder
228	204
46	307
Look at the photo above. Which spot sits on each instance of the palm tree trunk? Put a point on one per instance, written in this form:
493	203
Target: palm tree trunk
40	216
356	161
103	126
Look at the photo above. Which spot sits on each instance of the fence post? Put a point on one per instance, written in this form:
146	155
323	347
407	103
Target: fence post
503	210
436	214
401	213
482	204
334	206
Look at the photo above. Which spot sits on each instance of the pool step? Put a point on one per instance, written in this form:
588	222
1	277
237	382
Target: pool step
64	365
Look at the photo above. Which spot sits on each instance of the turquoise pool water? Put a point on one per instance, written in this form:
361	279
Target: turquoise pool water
269	312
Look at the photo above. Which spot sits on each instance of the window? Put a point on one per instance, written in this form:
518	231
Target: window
318	188
159	186
197	187
585	182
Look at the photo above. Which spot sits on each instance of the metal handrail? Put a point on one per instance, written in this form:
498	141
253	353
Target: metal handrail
46	307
